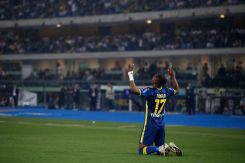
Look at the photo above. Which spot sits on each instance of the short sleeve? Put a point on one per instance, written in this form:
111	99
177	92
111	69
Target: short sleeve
170	92
145	92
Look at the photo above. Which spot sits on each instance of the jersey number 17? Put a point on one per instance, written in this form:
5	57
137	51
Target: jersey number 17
159	105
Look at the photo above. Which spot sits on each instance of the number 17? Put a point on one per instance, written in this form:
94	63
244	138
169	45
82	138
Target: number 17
158	109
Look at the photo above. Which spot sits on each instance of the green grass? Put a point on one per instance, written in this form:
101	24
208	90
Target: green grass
62	141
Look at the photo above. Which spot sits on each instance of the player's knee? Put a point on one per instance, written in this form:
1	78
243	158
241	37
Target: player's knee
142	149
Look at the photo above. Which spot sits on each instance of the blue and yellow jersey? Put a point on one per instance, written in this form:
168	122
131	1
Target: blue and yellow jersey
155	103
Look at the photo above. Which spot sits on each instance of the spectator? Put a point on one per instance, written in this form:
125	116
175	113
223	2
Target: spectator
205	78
93	94
109	94
144	71
205	68
15	95
189	67
242	104
59	71
52	101
190	99
202	101
222	100
76	96
61	102
222	71
69	97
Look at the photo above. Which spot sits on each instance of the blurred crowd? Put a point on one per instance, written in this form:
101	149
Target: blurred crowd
147	70
181	38
25	9
68	97
86	75
228	75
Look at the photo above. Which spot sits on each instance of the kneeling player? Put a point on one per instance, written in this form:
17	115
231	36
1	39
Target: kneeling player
154	128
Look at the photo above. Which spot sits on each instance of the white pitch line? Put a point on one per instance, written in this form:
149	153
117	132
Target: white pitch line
63	125
67	125
50	124
24	123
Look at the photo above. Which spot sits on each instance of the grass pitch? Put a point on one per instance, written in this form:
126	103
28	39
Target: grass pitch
62	141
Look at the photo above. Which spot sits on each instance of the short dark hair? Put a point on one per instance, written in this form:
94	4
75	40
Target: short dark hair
162	81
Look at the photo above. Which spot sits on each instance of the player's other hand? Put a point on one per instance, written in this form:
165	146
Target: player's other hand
171	72
130	67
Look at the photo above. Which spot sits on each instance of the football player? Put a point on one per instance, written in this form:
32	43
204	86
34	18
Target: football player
154	128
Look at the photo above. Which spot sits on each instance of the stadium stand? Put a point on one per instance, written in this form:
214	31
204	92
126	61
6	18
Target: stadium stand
12	10
193	36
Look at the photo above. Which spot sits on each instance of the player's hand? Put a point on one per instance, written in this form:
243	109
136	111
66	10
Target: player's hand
130	67
171	73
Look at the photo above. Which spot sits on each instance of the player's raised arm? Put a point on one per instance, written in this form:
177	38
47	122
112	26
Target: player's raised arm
171	73
132	85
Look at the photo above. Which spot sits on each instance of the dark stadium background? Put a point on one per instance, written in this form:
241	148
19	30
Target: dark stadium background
47	49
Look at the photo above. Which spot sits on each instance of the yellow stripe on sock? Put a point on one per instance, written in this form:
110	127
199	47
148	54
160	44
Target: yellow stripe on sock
144	151
146	116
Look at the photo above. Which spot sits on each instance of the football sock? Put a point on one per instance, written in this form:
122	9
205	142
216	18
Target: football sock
148	150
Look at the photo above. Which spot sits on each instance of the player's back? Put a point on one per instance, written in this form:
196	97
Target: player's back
156	99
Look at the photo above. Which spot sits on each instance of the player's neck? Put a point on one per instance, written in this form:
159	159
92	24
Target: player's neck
157	87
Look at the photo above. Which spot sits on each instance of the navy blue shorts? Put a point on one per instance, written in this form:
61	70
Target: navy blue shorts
153	134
